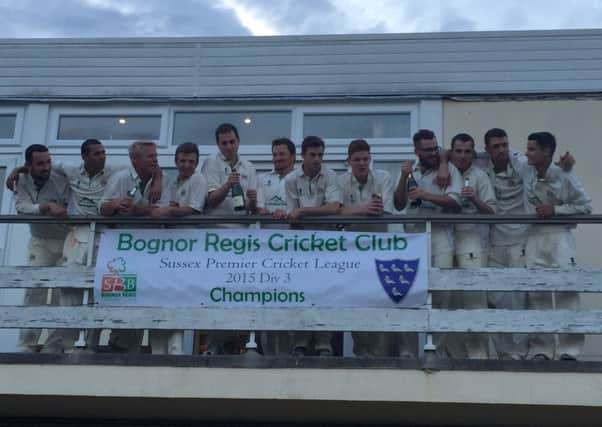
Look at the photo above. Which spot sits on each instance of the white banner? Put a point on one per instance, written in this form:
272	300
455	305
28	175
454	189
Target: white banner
261	268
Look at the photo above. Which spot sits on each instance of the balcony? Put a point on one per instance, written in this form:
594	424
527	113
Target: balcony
252	388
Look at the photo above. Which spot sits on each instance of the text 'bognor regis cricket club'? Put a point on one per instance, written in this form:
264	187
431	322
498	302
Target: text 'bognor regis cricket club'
261	268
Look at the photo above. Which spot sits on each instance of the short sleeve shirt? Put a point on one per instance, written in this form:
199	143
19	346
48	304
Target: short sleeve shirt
271	193
86	191
127	183
216	170
355	194
305	192
480	182
191	192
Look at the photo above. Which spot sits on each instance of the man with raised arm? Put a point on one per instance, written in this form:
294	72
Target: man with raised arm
425	197
506	171
366	191
311	190
87	182
550	191
41	192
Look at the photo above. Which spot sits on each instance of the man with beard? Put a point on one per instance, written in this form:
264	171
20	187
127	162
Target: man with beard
41	192
427	198
271	194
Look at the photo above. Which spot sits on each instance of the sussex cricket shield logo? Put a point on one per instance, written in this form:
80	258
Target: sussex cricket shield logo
118	283
396	276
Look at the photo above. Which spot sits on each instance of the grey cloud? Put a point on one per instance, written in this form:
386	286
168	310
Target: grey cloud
69	18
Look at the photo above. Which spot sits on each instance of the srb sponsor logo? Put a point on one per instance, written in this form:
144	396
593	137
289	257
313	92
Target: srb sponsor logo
117	283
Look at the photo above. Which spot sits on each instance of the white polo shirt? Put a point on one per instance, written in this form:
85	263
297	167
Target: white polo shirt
190	192
216	170
127	183
28	198
355	194
479	181
86	191
305	192
271	193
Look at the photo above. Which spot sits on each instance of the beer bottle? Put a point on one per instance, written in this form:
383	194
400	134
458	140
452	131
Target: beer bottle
411	183
238	196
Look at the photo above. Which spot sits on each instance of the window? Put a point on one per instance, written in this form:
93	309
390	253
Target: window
107	128
357	125
7	126
254	127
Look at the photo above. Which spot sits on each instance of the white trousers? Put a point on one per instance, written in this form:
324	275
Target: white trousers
553	249
508	346
42	252
469	255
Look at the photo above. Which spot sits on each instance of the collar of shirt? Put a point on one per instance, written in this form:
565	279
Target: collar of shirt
84	172
227	162
315	178
360	186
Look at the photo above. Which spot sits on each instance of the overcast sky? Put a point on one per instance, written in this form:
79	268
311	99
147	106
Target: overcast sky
121	18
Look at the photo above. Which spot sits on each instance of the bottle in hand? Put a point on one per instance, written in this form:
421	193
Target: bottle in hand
238	196
411	183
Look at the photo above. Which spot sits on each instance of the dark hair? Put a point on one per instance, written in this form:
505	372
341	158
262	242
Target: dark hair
85	148
495	133
290	145
422	134
34	148
187	148
462	137
357	145
311	142
544	140
225	128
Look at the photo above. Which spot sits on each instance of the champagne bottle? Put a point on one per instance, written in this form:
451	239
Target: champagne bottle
465	201
411	183
238	196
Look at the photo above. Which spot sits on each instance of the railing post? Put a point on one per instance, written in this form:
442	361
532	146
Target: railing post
428	348
251	345
81	340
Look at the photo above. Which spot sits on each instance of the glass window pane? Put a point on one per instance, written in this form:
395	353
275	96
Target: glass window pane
107	128
357	125
258	128
7	125
2	178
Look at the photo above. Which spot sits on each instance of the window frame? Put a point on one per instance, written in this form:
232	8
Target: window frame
250	151
336	147
19	112
89	111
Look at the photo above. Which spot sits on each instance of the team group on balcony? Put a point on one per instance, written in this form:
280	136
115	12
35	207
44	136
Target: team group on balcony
457	180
